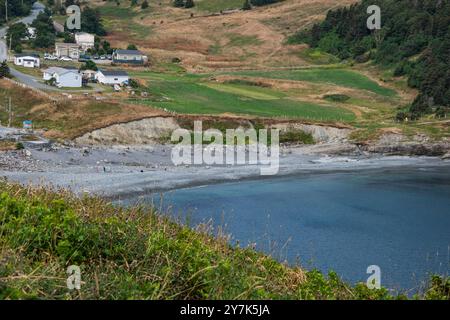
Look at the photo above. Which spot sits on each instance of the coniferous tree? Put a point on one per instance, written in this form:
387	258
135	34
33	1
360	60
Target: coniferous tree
414	41
4	70
246	5
189	4
178	3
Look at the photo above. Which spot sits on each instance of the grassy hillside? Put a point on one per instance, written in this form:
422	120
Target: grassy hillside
137	254
335	76
195	95
414	41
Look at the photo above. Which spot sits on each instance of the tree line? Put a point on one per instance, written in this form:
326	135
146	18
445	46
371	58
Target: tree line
414	41
10	9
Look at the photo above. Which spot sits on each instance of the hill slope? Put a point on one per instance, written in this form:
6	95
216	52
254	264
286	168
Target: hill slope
136	254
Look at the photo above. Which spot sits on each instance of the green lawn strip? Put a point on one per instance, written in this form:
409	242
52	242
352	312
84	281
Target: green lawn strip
194	98
218	5
336	76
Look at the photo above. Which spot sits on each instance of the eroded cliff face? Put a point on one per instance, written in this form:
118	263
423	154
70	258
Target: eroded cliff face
398	144
159	129
321	134
153	130
146	131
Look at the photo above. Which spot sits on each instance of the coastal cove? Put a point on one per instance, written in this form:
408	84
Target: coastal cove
396	218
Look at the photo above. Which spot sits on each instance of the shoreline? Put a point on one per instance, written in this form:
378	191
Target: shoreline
127	172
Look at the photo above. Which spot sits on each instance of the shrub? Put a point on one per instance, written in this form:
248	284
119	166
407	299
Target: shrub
20	146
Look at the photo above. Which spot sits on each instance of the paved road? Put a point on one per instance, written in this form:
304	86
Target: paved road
37	8
21	77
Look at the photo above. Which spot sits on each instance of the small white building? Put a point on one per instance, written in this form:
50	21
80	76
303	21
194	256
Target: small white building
28	60
69	78
129	57
112	77
71	50
85	40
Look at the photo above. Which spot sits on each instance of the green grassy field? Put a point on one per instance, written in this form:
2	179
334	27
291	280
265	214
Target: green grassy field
334	76
187	94
120	19
217	5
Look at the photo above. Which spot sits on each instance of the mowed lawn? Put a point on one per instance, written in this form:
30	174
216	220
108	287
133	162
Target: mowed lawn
217	5
334	76
186	94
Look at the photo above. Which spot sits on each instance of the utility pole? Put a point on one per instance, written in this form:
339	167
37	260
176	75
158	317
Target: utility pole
6	10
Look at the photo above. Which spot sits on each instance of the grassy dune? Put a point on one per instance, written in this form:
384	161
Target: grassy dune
137	254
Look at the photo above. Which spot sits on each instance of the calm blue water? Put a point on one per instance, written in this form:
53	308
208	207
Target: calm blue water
399	221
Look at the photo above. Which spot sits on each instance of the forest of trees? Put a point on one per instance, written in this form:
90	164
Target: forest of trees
263	2
414	41
16	8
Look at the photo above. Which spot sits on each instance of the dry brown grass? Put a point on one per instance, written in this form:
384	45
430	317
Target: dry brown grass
203	42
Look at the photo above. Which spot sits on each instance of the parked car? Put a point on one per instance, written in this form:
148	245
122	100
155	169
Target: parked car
50	57
102	57
65	59
109	57
96	57
84	58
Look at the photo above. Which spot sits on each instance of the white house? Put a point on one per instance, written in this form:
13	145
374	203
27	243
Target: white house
111	77
85	40
28	60
31	34
70	78
129	57
70	50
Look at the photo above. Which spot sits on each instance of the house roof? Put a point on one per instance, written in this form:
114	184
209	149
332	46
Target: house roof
21	55
60	71
84	34
112	73
63	44
132	52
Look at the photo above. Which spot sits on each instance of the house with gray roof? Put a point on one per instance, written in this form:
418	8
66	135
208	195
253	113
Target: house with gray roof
64	77
129	57
28	60
112	77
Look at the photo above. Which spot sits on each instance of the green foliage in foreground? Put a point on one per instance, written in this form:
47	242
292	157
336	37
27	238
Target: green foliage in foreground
137	254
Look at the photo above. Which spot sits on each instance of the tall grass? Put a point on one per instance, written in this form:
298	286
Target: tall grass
135	253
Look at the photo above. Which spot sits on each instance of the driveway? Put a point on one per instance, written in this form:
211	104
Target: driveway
21	77
30	80
37	8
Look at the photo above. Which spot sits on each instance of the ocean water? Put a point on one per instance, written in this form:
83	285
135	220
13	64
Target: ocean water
398	220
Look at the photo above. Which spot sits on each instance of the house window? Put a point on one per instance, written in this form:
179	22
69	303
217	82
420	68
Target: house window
115	79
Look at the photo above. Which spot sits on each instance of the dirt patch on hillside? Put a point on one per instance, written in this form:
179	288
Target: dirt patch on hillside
244	38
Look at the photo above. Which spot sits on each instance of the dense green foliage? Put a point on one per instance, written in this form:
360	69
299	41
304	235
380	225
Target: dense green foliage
246	5
4	70
45	33
263	2
137	254
15	34
16	8
414	40
91	21
144	4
